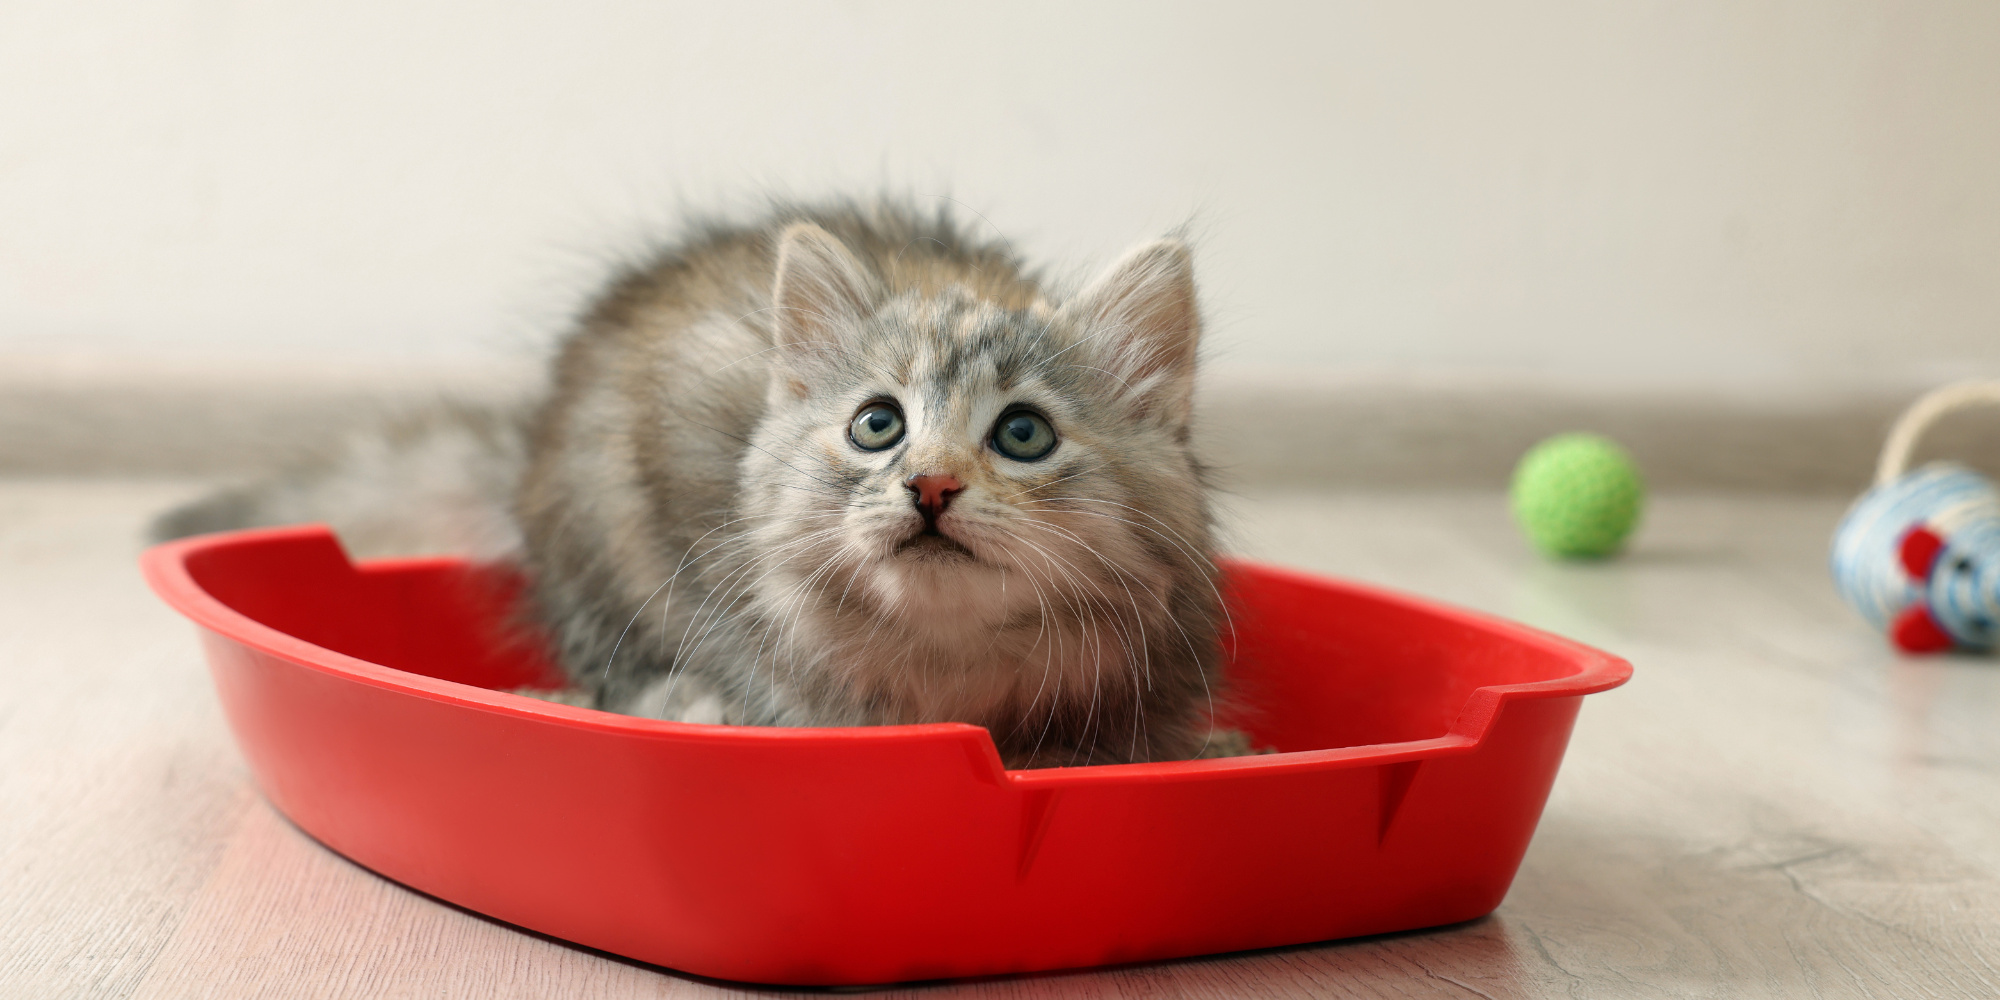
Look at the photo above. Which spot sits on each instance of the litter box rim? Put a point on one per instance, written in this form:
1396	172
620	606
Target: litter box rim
165	569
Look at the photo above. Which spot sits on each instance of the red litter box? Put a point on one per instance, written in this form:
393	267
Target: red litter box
1418	745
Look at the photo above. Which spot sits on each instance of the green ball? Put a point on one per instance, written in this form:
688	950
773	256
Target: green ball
1577	496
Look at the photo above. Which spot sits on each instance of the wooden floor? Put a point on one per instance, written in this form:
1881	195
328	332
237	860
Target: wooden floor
1775	806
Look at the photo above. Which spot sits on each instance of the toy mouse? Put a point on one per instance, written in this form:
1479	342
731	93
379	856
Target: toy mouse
1919	554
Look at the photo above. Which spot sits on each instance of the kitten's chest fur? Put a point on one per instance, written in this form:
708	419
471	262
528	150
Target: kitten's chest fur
1041	680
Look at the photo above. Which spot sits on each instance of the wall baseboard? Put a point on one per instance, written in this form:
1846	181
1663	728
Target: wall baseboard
1356	433
1470	435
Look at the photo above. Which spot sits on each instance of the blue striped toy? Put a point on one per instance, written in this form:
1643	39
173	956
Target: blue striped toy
1919	554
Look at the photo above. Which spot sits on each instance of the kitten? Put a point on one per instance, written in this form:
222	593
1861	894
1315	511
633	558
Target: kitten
848	466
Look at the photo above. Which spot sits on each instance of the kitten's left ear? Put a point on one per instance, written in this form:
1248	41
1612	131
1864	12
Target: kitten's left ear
1143	310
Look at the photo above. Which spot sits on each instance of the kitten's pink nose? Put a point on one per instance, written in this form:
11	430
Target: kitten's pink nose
932	494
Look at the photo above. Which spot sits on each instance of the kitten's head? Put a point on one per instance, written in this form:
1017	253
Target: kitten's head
957	465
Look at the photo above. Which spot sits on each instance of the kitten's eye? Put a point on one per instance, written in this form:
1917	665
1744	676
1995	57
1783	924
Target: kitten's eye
876	427
1024	436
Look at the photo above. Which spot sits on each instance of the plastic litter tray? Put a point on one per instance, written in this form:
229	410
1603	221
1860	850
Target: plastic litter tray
1418	746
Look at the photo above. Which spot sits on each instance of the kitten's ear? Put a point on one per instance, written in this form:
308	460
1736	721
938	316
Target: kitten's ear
1142	309
821	289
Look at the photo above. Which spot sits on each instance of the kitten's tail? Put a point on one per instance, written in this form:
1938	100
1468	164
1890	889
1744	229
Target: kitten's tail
437	481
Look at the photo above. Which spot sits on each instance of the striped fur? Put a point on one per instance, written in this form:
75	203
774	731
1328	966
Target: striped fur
709	545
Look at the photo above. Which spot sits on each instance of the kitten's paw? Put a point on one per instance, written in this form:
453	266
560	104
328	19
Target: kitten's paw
576	697
1231	743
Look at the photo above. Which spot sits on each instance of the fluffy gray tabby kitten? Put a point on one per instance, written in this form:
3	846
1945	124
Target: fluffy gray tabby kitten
850	467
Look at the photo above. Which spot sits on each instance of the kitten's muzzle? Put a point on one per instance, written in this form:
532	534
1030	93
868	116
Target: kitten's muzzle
932	493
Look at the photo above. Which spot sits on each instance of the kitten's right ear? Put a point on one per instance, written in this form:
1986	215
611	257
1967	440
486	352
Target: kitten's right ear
821	290
1145	306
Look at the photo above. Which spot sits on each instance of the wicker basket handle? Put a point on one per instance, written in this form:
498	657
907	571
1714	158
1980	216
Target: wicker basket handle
1922	414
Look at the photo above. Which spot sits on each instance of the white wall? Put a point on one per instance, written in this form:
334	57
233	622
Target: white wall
1764	193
